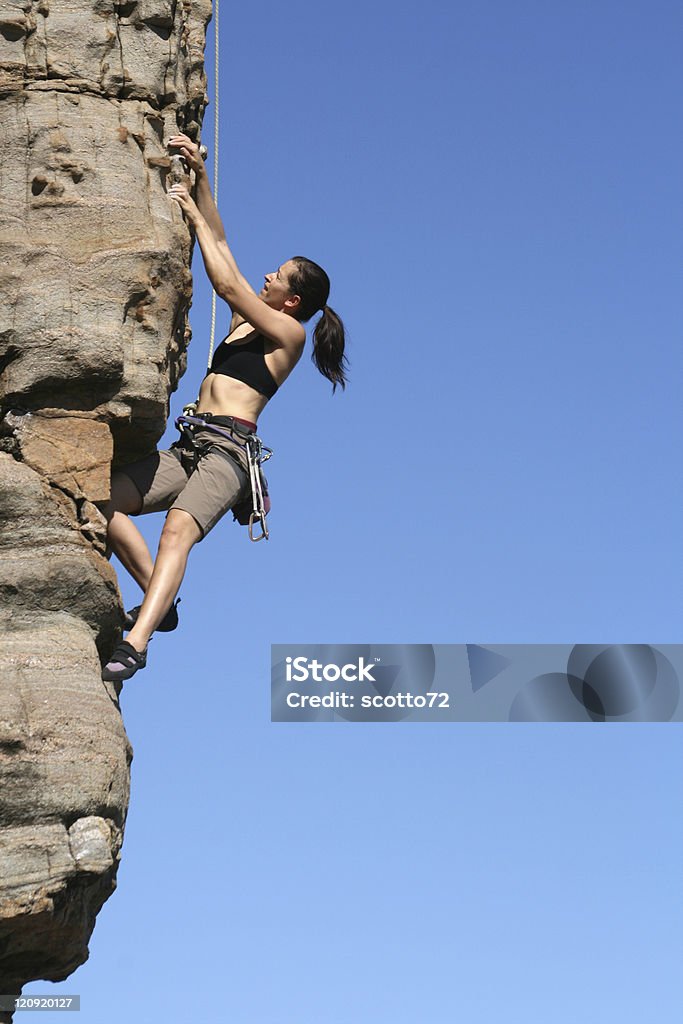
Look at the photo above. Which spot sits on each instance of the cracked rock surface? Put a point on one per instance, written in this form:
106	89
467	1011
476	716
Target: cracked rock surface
95	287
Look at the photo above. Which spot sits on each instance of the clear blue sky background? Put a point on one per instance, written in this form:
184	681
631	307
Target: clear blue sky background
495	191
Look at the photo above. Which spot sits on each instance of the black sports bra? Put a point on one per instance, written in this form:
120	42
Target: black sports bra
245	361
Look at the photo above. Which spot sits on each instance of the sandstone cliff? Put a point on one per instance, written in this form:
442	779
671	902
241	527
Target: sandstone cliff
94	291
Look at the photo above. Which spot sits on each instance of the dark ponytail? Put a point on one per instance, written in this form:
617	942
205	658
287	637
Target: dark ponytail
328	348
312	285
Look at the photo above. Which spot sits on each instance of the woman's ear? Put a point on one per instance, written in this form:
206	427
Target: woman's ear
293	303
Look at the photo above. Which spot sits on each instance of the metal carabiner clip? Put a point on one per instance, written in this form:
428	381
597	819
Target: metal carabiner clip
260	516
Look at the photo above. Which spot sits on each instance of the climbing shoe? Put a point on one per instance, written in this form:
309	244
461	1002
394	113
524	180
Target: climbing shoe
167	624
124	663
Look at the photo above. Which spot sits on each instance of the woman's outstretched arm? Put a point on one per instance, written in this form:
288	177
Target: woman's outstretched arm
205	204
227	281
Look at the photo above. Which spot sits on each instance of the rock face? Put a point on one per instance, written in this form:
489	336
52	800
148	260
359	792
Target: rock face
95	288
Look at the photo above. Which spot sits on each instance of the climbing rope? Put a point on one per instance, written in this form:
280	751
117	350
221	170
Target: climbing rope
212	335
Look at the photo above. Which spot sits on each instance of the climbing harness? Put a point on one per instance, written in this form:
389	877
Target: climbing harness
252	514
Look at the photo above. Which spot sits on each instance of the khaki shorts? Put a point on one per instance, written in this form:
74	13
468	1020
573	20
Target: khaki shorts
219	481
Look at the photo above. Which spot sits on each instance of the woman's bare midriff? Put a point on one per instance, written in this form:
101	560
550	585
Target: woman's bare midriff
225	396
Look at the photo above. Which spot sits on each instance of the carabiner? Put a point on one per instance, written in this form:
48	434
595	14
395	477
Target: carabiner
260	516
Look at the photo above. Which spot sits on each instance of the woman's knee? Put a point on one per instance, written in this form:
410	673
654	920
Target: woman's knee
180	531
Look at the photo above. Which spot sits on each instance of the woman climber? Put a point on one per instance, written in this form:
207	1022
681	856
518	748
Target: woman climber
208	473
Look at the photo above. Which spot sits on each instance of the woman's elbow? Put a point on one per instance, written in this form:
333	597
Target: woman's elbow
225	290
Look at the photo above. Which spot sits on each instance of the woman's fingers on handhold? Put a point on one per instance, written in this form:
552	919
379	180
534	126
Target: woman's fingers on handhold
189	150
179	137
183	140
181	196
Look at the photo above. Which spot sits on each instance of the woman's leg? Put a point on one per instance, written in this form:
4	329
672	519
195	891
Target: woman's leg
123	536
178	537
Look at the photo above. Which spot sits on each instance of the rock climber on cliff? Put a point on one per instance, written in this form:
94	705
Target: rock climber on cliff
208	472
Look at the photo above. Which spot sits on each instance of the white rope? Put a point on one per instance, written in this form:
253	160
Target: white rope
212	336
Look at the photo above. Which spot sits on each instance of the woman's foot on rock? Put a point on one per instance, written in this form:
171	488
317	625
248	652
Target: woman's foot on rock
124	663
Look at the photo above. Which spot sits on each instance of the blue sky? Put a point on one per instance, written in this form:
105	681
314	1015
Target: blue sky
494	189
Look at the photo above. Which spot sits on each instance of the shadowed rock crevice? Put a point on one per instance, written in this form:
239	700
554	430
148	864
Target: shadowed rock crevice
95	288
